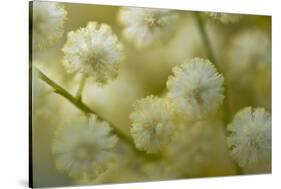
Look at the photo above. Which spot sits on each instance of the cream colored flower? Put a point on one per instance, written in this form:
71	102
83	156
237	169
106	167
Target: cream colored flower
48	23
250	138
93	51
225	18
152	124
84	148
144	26
196	88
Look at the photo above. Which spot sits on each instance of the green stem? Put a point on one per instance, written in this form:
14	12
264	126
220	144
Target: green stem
85	109
61	91
81	88
212	57
205	38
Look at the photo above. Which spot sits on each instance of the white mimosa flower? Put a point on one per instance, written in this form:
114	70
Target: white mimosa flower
225	18
144	26
153	124
47	24
93	51
250	138
84	148
196	88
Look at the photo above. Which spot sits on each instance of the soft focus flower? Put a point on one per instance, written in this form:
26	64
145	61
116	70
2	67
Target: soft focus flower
197	147
196	88
153	124
93	51
250	139
225	18
84	148
144	26
249	66
48	23
250	47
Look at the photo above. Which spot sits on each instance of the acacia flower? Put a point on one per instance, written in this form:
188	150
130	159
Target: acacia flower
152	124
225	18
93	51
84	148
48	23
250	138
144	26
196	88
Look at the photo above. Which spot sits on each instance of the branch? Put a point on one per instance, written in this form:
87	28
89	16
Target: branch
85	109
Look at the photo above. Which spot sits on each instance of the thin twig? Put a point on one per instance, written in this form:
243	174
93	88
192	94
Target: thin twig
205	38
81	88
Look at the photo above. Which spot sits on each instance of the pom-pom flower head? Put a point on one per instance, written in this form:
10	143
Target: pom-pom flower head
84	148
144	26
250	139
153	124
48	22
225	18
93	51
196	88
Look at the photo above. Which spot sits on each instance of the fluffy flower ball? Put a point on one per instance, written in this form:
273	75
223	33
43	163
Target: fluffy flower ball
84	148
48	23
225	18
250	138
196	88
152	124
144	26
93	51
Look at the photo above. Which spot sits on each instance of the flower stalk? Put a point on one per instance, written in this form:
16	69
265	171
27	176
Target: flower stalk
205	38
81	88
